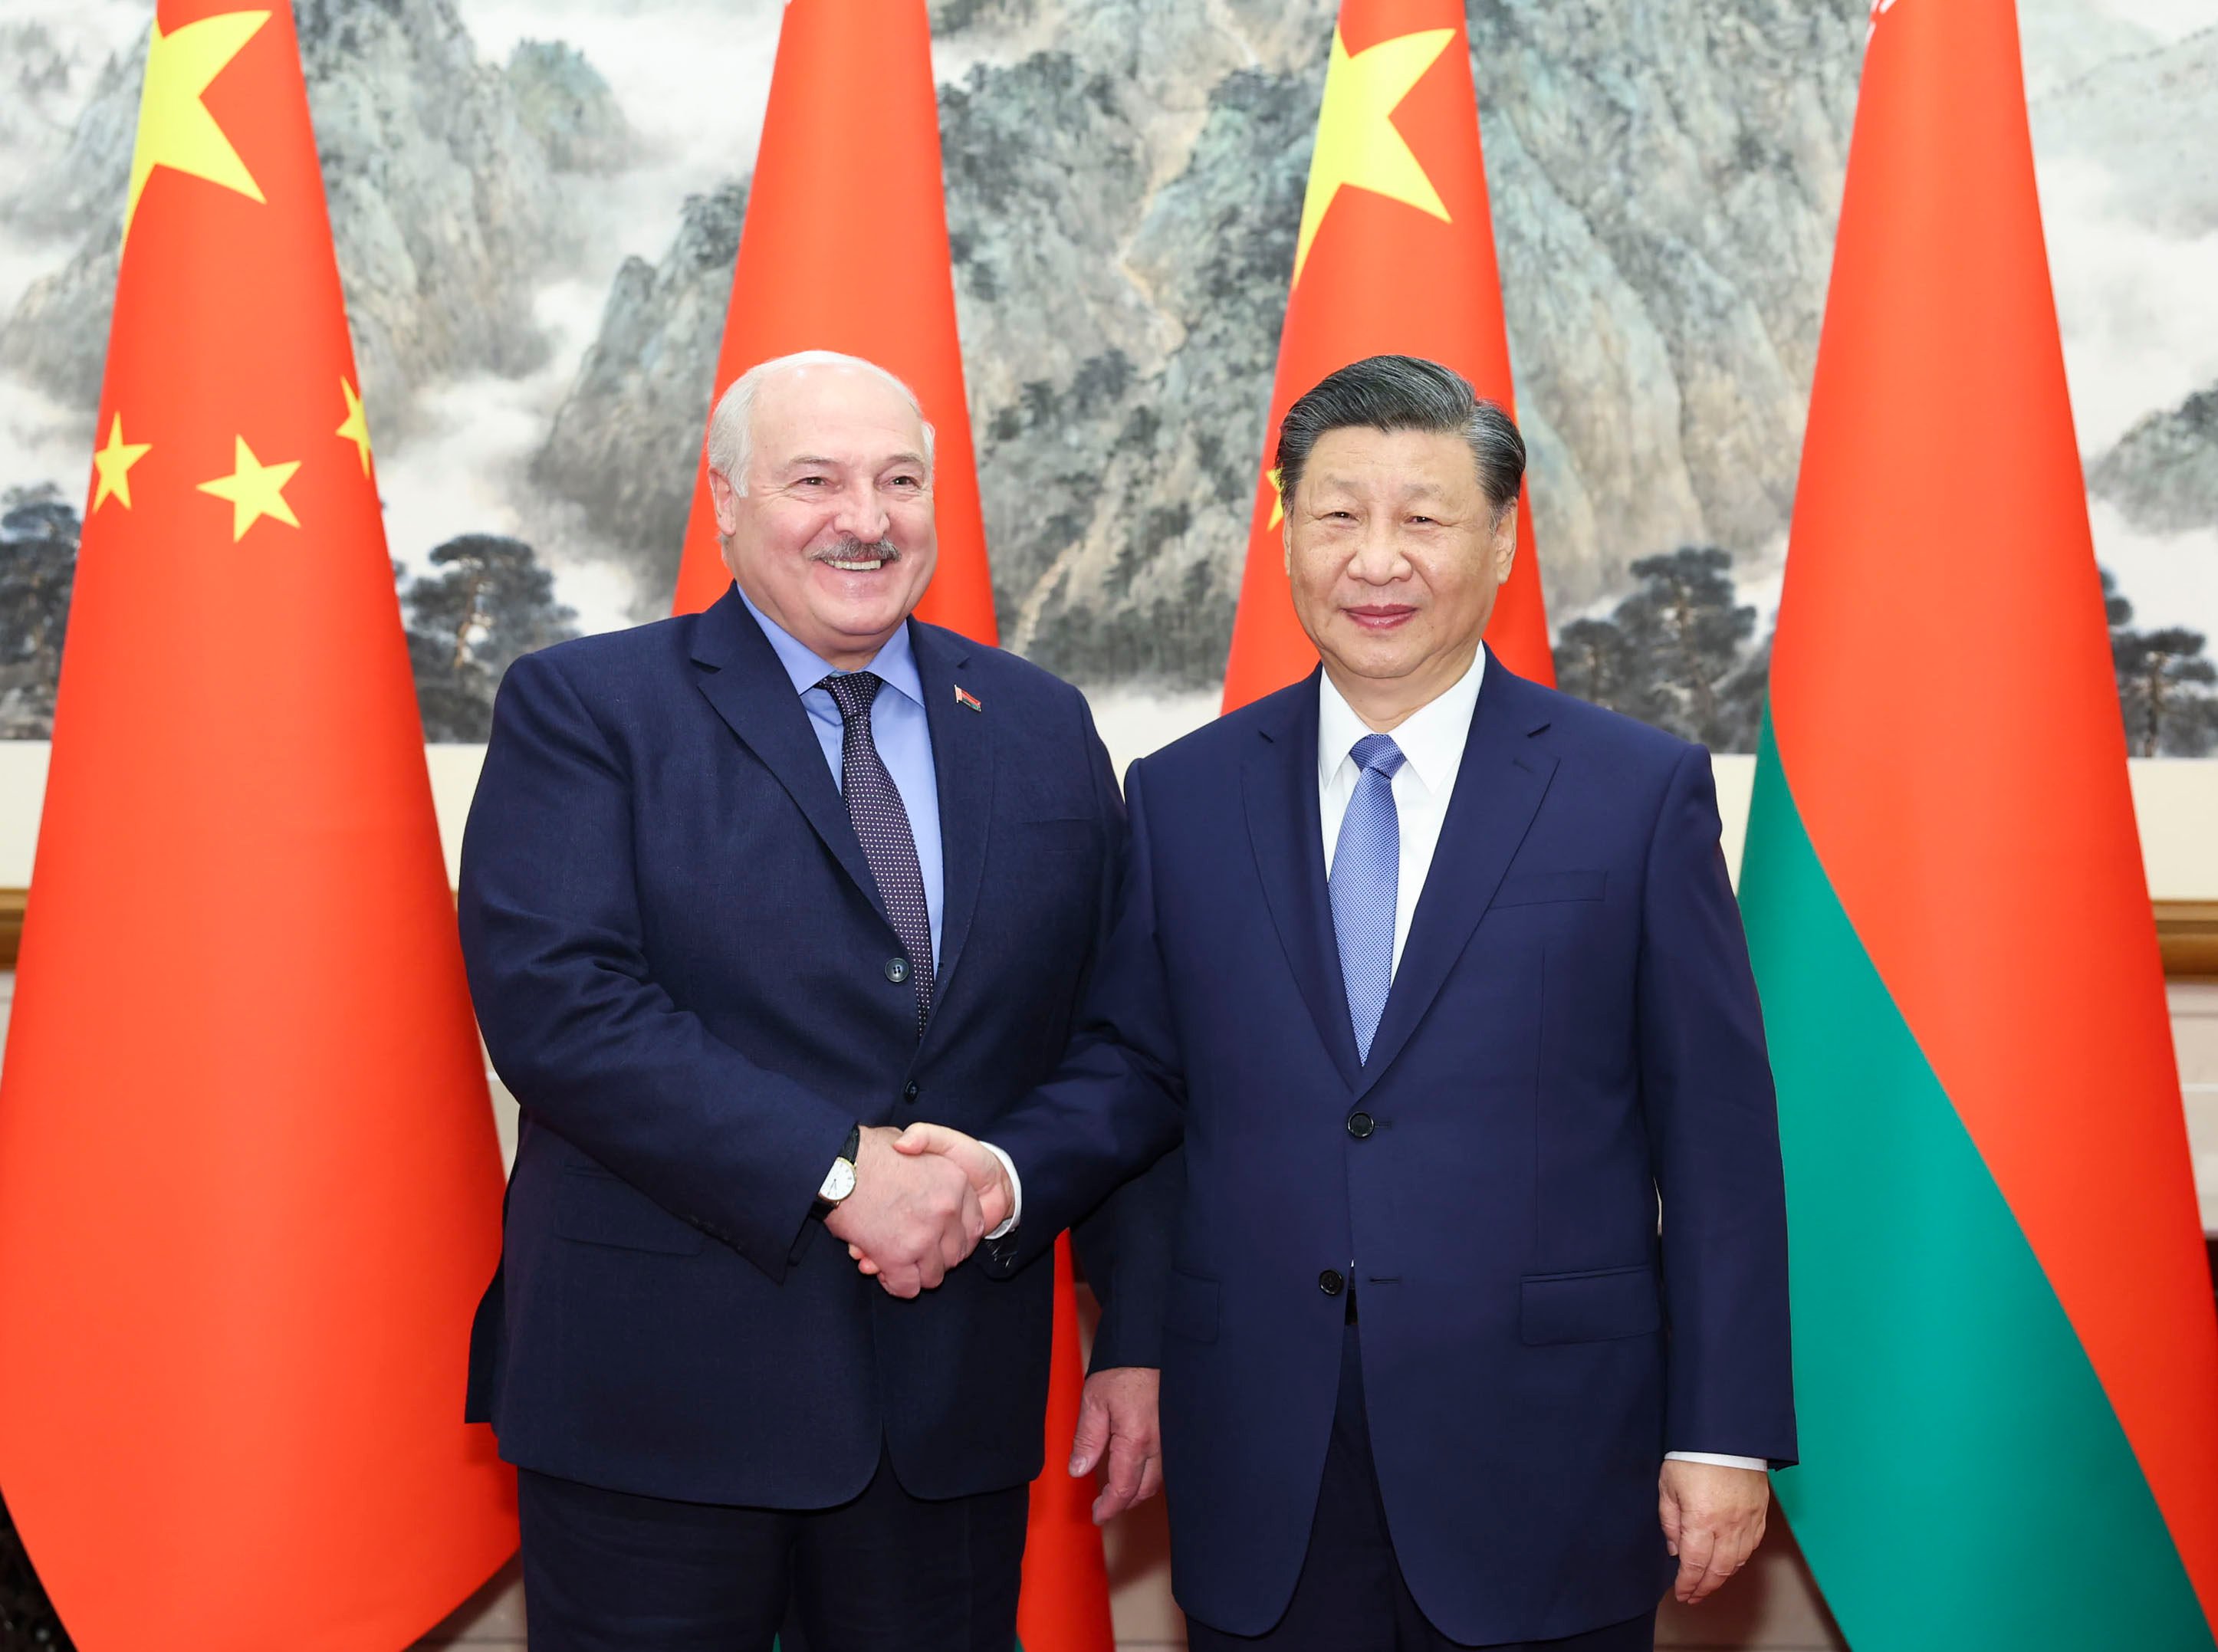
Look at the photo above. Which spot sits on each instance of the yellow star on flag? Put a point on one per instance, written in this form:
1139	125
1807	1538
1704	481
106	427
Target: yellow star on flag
1358	145
1277	495
175	128
356	427
114	462
255	490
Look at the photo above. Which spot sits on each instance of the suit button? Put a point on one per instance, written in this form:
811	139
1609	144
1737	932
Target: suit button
897	971
1330	1283
909	1095
1360	1125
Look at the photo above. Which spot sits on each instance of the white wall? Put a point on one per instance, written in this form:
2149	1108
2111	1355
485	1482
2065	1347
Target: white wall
2177	801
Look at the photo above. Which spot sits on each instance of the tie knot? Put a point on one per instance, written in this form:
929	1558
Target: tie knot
853	692
1377	753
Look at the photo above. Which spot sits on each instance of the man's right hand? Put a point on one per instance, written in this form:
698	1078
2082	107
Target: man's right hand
914	1215
988	1184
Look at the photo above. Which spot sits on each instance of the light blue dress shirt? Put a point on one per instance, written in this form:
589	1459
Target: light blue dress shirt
897	725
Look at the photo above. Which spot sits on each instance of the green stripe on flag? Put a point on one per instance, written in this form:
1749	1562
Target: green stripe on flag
1965	1481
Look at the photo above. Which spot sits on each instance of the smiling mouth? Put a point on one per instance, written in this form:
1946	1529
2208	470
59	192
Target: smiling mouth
853	556
1380	618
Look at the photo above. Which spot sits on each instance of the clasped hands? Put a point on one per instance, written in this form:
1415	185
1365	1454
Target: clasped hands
923	1199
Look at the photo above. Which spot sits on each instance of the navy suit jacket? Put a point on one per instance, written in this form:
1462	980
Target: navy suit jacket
1573	1030
679	961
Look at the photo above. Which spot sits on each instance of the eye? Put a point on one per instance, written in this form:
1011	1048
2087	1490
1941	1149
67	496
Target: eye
906	481
1426	520
811	481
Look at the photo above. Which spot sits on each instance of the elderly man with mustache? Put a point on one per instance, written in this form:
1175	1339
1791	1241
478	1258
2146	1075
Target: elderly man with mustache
744	894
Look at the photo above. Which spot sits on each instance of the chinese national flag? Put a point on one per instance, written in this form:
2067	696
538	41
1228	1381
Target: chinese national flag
249	1185
1394	256
844	248
1065	1604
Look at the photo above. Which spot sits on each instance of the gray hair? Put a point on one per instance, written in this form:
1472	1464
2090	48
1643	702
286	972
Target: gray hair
1404	392
731	427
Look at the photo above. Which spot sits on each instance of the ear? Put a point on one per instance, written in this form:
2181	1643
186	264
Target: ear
1505	542
726	499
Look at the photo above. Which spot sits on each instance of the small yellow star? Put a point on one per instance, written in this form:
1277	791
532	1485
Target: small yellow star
175	127
1278	495
255	490
114	462
356	427
1358	145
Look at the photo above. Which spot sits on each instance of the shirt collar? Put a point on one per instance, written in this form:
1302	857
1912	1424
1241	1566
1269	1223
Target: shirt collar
894	663
1431	738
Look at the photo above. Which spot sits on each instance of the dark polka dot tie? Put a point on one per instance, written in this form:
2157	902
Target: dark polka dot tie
873	804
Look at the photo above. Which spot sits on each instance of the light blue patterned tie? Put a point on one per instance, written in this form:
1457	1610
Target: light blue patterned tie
1366	867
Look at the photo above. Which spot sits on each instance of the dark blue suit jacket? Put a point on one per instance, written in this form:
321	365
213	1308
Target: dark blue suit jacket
678	960
1572	1031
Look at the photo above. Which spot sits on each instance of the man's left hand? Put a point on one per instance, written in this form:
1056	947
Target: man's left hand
1712	1520
1117	1427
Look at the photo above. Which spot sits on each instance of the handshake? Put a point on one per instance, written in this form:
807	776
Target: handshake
923	1199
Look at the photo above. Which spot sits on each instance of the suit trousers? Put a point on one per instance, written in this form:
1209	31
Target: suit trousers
1351	1596
609	1571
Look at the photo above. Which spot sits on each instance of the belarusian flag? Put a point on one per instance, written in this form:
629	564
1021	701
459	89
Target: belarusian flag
2006	1357
1395	255
844	248
248	1185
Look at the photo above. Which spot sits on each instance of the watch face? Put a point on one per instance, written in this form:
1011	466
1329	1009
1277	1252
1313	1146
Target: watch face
840	1183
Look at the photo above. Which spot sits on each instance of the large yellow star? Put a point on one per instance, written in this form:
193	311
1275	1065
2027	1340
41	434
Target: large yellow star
114	462
356	427
1357	145
175	128
1278	495
255	490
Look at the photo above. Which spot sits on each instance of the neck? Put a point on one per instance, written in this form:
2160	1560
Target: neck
1384	703
840	653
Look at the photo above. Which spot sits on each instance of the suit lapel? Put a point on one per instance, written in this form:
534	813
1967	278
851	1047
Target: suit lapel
963	758
1279	780
752	693
1499	790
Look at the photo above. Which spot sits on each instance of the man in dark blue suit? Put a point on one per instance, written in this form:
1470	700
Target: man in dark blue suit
743	893
1438	976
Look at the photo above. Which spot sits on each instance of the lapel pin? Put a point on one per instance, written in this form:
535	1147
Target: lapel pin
964	698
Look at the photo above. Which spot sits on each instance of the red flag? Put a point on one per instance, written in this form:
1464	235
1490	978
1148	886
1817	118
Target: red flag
2000	1283
844	248
1394	256
249	1185
1065	1604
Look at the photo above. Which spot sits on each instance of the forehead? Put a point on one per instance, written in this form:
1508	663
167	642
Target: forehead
1435	462
834	412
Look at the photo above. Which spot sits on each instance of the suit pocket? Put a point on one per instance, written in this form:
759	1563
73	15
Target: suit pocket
1190	1308
597	1209
1073	834
1535	888
1596	1307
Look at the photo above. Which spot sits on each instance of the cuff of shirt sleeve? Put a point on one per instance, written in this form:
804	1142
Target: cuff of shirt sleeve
1718	1459
1016	1193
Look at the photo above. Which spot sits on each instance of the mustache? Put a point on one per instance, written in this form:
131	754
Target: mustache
852	549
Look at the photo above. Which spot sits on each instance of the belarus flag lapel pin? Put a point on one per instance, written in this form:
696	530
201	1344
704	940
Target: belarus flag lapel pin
967	700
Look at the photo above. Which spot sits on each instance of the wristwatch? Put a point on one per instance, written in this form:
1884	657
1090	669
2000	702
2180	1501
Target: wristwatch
839	1180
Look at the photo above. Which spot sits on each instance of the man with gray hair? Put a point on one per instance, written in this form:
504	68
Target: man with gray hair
744	893
1438	976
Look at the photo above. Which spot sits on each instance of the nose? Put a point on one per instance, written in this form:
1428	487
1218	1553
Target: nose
861	513
1378	560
